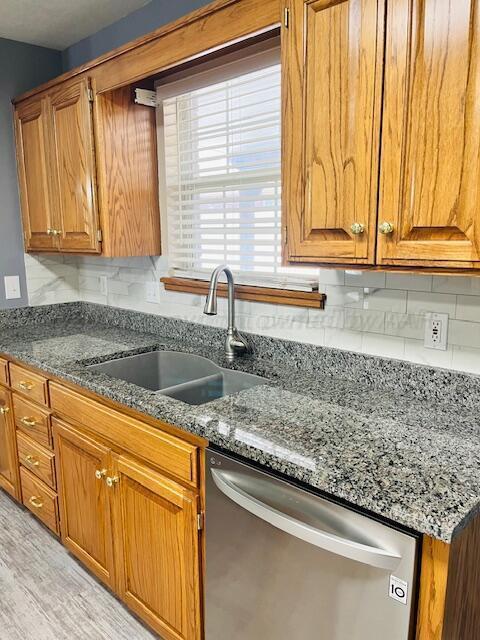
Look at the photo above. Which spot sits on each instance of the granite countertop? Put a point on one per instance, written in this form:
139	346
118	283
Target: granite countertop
359	428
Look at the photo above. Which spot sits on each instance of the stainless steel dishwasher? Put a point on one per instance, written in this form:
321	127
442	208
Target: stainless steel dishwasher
285	564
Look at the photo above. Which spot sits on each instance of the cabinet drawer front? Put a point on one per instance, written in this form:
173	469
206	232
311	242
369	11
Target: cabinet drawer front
36	459
32	420
171	454
3	371
29	384
40	500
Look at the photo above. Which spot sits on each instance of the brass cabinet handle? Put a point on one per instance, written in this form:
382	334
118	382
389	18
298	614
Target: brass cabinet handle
36	502
112	481
32	461
4	410
27	386
386	228
100	474
357	228
28	422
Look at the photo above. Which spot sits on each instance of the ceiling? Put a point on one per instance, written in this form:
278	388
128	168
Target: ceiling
60	23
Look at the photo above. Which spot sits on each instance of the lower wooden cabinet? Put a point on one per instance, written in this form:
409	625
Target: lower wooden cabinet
134	528
85	501
8	456
156	538
40	500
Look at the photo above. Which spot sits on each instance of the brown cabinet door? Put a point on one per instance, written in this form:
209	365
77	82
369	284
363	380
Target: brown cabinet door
8	450
332	65
430	170
157	545
74	168
85	500
31	131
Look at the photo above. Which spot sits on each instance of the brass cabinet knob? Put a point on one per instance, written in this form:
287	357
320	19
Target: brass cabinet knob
112	481
32	461
36	502
26	386
28	422
100	474
4	410
386	228
53	232
357	228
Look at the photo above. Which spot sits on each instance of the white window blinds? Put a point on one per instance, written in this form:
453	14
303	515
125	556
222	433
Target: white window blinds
222	183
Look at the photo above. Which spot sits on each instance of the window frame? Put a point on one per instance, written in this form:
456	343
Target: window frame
303	289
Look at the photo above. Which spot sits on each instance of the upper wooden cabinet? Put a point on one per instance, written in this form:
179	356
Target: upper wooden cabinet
74	168
430	176
332	66
66	205
34	174
335	57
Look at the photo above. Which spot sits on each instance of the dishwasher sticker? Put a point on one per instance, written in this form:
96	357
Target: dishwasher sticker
398	589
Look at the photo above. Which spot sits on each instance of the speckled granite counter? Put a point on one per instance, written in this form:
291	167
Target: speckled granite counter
400	440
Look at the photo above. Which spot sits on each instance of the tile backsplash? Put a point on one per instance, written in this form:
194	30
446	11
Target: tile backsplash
368	312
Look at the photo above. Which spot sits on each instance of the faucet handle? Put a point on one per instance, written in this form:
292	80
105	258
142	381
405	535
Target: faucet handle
236	345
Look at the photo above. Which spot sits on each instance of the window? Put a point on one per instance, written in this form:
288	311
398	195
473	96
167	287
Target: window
220	143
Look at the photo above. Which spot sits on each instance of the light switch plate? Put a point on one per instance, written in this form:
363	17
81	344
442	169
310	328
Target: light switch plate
12	287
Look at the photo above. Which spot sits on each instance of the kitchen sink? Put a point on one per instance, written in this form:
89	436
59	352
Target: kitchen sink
157	370
219	385
183	376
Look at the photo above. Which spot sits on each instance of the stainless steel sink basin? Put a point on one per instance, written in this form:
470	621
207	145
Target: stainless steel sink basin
157	369
183	376
210	388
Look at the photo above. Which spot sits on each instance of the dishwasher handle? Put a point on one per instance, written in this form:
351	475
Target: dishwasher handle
373	556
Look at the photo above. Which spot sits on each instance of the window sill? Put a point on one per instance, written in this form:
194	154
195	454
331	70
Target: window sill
311	299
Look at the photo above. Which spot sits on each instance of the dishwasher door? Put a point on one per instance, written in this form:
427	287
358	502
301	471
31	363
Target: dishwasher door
284	564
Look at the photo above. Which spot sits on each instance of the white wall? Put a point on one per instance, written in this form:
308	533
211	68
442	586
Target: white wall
376	313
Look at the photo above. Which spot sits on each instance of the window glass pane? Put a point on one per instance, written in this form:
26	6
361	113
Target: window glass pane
222	156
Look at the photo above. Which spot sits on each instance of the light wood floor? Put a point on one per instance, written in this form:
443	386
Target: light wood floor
46	595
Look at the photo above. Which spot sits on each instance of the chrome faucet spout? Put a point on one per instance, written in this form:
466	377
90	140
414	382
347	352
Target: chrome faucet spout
235	343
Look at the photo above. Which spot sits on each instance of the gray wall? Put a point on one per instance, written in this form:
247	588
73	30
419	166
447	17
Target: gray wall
22	67
155	14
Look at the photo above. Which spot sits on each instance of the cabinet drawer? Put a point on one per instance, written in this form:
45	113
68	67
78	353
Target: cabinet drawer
36	459
29	384
3	371
40	500
167	452
32	420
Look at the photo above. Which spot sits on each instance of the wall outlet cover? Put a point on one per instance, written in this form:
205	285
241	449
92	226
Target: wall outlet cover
436	331
12	287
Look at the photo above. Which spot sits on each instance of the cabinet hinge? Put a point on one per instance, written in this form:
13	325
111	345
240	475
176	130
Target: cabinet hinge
286	17
90	95
285	234
99	235
200	520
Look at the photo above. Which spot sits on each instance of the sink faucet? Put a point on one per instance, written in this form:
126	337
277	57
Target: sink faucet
235	344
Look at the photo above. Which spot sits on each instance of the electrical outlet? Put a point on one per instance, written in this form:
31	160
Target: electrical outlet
436	331
103	285
12	287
